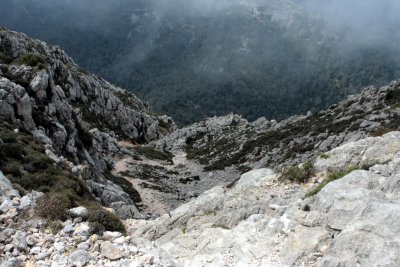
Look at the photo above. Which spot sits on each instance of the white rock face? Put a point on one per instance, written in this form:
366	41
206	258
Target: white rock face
256	178
262	222
370	150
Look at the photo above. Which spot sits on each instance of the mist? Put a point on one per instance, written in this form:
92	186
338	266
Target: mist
197	58
368	22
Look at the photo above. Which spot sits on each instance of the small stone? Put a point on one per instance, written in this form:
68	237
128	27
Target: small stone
31	240
42	256
3	237
22	258
20	241
68	229
83	246
93	238
35	250
59	246
82	229
12	213
111	251
8	248
78	258
15	201
111	235
34	230
6	205
119	240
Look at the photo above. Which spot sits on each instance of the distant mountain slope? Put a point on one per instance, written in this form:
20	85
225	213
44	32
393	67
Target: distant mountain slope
194	59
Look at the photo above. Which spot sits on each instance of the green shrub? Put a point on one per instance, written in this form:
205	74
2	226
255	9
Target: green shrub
96	228
324	156
299	174
5	58
54	226
108	220
12	150
31	60
52	206
331	177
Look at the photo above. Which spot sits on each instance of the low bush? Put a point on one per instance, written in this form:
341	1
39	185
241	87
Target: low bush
108	220
5	58
52	206
12	150
96	228
299	174
31	60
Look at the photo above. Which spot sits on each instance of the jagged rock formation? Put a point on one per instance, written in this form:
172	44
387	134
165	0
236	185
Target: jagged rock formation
232	141
43	92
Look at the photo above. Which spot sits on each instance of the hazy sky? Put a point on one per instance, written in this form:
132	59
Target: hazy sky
368	20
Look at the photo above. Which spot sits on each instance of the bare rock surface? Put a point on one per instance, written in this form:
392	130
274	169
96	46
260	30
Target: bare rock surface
264	222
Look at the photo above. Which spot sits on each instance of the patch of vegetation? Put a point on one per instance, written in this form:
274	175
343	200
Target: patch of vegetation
209	212
299	174
5	59
32	60
393	97
331	177
96	228
53	206
108	220
128	100
152	153
25	163
379	132
324	156
54	225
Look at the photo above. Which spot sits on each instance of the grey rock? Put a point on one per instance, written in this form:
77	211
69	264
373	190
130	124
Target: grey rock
6	188
78	212
256	178
25	203
82	229
125	211
111	251
12	263
68	228
78	258
6	205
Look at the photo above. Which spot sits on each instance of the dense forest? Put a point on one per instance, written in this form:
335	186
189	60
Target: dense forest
191	60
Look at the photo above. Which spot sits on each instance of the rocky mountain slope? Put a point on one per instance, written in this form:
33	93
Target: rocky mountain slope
75	151
43	92
264	222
